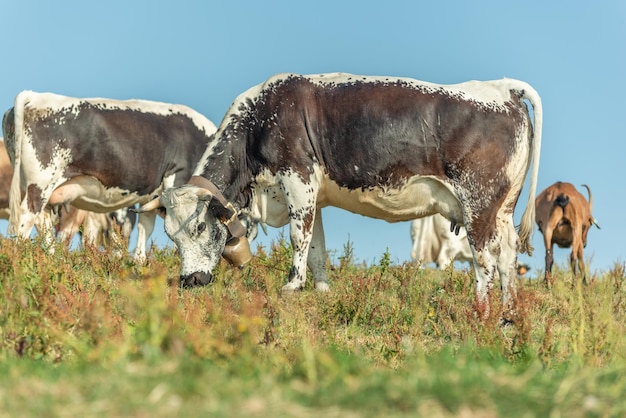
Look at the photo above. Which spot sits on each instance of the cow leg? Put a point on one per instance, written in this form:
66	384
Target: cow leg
44	224
446	255
498	253
549	260
145	226
301	235
27	222
316	259
301	201
484	271
507	261
576	260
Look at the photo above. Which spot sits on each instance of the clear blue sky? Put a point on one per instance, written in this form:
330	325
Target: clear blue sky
204	53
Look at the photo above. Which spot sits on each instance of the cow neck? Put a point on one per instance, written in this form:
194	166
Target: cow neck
228	174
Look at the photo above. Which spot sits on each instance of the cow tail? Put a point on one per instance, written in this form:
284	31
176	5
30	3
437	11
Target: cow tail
528	218
15	194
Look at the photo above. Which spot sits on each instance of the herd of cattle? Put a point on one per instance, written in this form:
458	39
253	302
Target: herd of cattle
390	148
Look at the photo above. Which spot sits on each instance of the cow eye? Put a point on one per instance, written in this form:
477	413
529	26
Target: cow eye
200	228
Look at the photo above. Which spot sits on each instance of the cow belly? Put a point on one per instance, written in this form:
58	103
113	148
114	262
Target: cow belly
87	193
420	196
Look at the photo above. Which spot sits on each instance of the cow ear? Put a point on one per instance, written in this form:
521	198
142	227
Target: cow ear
220	211
229	217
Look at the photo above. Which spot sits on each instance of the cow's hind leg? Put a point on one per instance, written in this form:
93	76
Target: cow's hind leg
316	259
507	261
577	263
497	254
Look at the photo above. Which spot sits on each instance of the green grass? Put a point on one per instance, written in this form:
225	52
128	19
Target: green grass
88	334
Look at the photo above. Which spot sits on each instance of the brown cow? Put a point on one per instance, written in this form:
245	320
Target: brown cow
564	218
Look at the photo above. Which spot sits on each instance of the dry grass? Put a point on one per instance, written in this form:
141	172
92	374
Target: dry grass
392	340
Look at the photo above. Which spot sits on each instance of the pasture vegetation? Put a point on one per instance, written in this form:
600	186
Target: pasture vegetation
85	333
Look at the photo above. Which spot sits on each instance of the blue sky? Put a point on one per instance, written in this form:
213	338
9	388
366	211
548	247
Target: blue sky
204	53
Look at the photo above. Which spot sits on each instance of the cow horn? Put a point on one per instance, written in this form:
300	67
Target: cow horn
150	206
593	221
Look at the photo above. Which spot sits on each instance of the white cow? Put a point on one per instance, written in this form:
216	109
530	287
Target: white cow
434	242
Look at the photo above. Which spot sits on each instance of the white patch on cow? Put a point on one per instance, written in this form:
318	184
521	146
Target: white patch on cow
419	196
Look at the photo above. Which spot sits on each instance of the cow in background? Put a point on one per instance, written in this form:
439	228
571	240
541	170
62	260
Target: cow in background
6	174
97	155
564	218
96	227
435	242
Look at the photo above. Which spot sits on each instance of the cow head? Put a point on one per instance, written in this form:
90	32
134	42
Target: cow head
203	226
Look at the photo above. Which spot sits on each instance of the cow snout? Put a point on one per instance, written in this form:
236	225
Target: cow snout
196	279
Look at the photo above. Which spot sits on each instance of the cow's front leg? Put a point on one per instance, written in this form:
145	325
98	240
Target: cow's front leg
301	233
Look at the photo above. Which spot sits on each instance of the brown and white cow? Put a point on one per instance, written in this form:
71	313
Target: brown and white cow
384	147
434	242
97	154
564	218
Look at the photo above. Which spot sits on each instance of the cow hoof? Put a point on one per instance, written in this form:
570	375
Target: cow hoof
322	287
290	288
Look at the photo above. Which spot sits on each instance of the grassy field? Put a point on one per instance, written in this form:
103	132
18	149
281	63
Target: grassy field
88	334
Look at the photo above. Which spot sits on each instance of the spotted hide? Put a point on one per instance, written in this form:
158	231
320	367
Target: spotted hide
387	148
97	154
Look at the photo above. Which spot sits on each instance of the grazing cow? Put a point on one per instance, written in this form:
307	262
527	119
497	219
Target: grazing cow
96	226
388	148
434	242
98	154
564	218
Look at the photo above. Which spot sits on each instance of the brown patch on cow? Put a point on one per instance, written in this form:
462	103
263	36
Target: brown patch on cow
33	193
128	133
